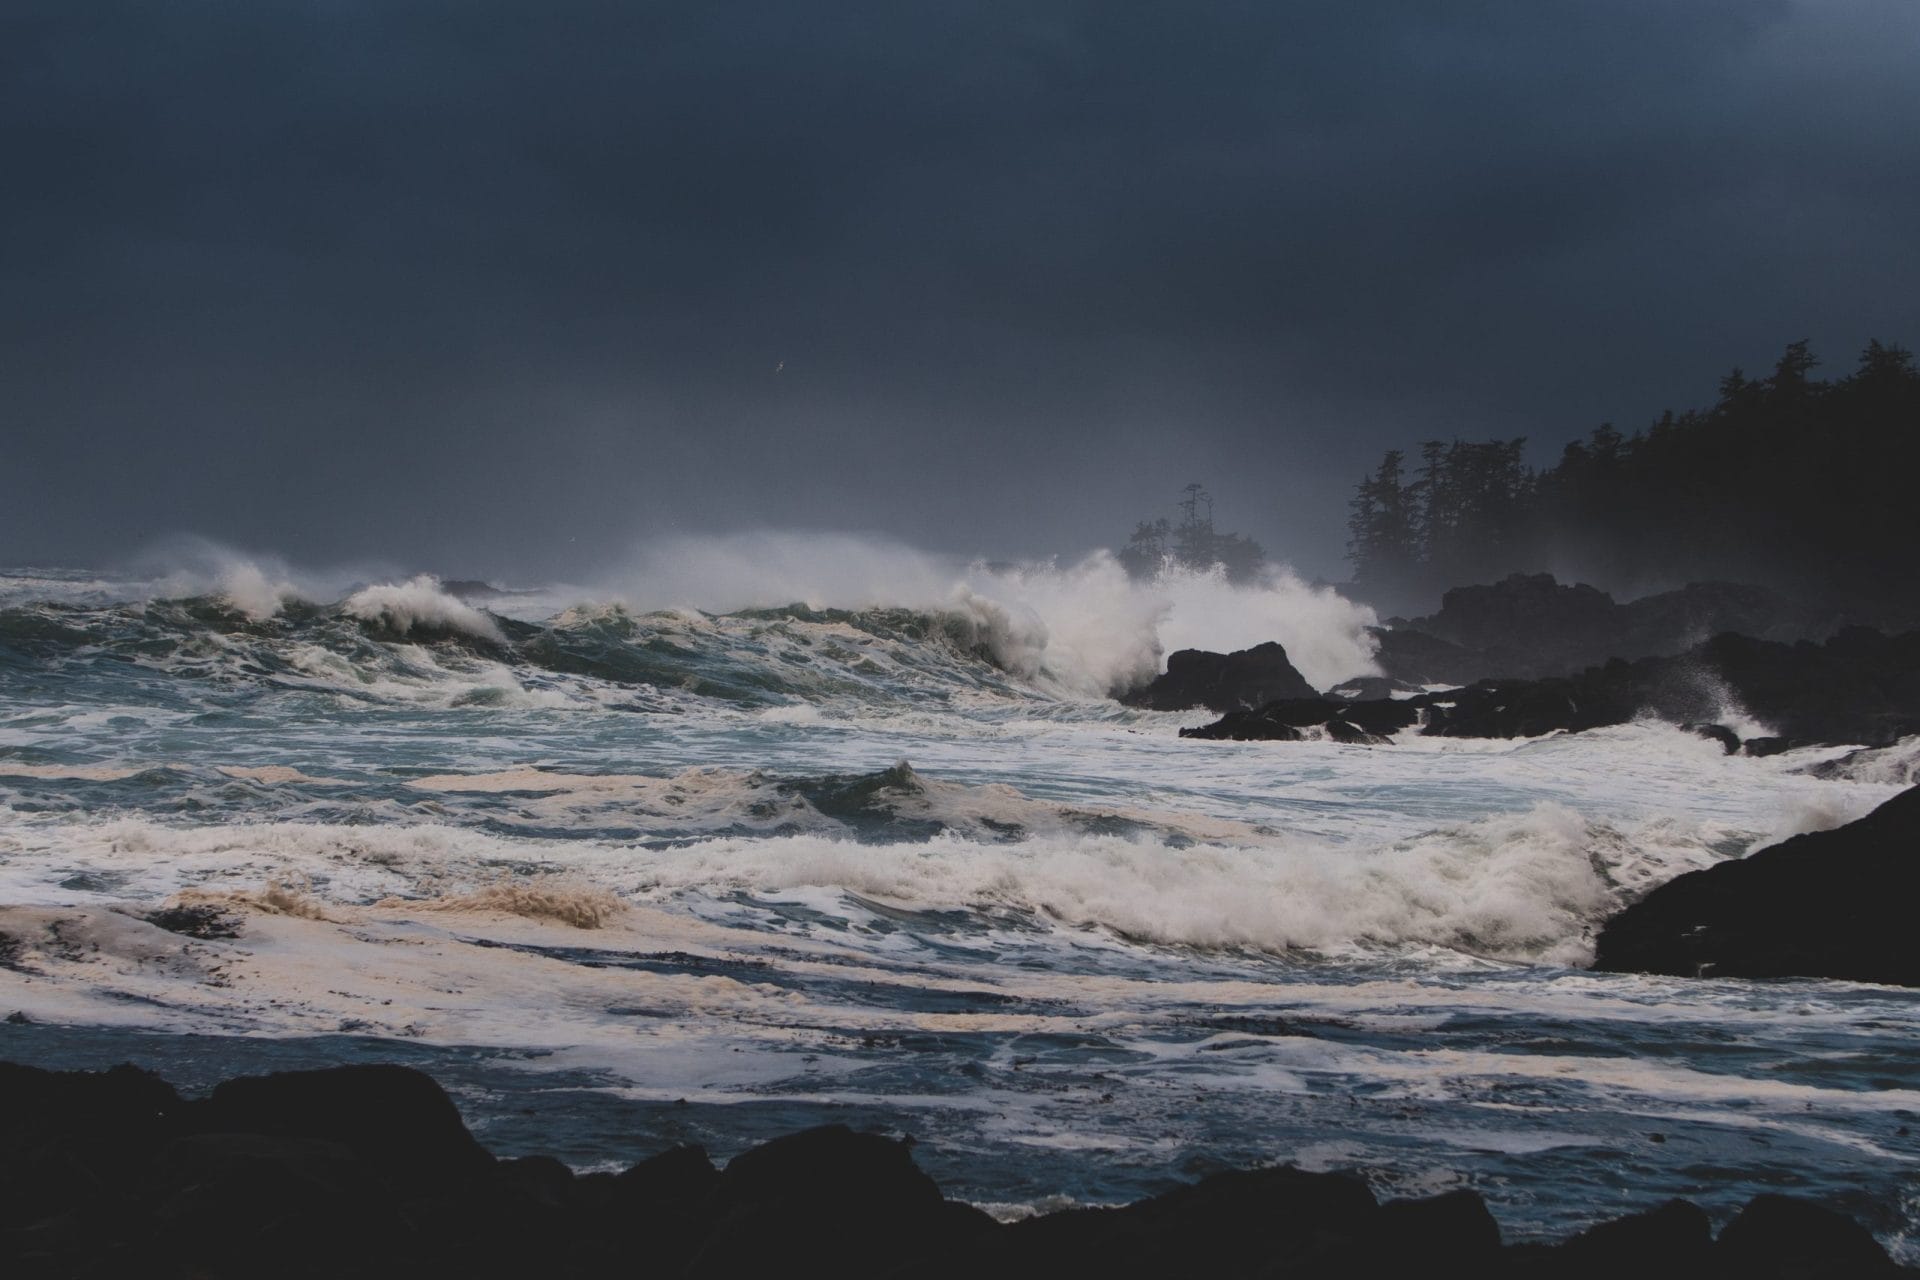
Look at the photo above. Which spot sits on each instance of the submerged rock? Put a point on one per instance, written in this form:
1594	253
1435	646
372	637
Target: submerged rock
1833	904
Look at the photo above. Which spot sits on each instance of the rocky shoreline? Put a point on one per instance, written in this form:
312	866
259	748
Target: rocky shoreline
369	1171
1858	688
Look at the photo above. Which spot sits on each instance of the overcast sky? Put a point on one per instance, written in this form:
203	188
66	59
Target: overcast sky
505	288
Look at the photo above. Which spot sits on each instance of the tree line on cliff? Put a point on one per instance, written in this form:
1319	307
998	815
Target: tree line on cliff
1801	483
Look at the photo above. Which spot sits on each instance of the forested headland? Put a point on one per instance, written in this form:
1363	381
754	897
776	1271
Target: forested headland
1800	483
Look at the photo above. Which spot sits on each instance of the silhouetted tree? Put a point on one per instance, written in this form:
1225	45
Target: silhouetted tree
1383	531
1789	480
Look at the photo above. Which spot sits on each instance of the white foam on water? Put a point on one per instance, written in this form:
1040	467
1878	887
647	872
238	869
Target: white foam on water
1522	886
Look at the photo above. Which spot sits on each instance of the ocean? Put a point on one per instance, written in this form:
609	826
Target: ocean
625	867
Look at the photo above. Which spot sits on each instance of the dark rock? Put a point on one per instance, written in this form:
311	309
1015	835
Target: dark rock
112	1174
1265	1221
124	1104
1759	747
1372	689
1780	1236
1282	721
819	1168
1352	734
1859	687
238	1197
1455	1226
1674	1239
202	922
1245	726
1223	682
1529	626
1416	658
1529	708
1719	733
808	1193
542	1179
1833	904
678	1174
396	1119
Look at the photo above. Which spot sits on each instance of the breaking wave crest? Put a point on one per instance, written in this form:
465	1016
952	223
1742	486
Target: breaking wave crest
896	626
1527	886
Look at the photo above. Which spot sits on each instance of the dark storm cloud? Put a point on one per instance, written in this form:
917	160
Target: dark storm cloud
456	283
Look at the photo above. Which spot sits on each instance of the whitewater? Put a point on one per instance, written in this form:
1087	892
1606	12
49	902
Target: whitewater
769	832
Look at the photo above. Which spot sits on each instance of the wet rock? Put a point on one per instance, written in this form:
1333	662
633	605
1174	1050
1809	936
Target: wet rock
1781	1236
1260	1222
233	1199
1413	657
1283	721
396	1119
1241	680
1833	904
1353	735
808	1193
1859	687
1719	733
1372	689
1245	726
1674	1239
124	1104
679	1174
541	1179
1456	1226
112	1174
196	921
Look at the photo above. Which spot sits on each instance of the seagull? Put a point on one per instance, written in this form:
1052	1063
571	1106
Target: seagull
777	368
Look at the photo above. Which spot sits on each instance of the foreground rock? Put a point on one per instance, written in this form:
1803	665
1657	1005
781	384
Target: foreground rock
1834	904
1235	681
367	1171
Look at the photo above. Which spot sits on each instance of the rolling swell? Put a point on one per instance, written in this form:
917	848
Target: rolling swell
362	645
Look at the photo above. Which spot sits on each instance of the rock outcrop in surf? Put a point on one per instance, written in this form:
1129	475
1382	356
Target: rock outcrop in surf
1859	688
369	1171
1235	681
1832	904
